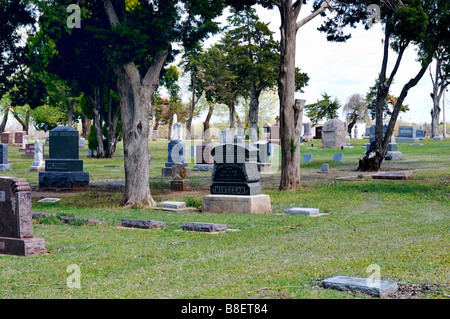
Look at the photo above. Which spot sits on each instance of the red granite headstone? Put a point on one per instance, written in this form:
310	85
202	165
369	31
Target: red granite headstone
7	138
18	137
16	223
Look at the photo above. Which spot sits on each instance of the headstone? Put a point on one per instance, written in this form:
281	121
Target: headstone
172	205
177	132
203	157
155	135
4	166
7	138
369	286
69	219
142	223
266	132
263	156
438	138
38	164
29	150
308	137
18	138
47	141
420	134
302	211
179	181
318	132
16	223
307	158
338	157
226	136
355	132
235	182
407	134
82	142
324	168
203	227
274	132
24	142
392	151
63	168
240	137
367	132
334	134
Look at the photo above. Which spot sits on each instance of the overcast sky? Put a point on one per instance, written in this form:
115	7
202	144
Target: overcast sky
341	69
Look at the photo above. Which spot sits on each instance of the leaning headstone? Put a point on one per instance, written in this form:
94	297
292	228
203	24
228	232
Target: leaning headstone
63	168
307	158
4	166
338	157
235	182
324	168
302	211
407	134
334	134
7	138
38	164
203	157
16	223
179	182
381	288
203	227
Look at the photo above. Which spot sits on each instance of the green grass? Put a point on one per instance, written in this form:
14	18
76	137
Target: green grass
402	226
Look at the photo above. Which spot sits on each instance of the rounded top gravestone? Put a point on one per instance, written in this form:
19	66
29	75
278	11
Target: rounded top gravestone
63	142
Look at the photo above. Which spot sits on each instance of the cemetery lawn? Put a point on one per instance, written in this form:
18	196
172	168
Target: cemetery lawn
402	227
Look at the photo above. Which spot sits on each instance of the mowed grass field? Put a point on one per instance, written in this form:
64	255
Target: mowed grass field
401	227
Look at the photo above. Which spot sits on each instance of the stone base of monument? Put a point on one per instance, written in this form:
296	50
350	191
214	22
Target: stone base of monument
167	171
307	138
255	204
5	167
37	168
393	155
406	139
264	167
203	167
180	185
392	175
63	179
21	246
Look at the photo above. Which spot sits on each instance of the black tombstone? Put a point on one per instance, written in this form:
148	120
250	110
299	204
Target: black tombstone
235	170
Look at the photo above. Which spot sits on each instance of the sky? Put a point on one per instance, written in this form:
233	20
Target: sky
342	69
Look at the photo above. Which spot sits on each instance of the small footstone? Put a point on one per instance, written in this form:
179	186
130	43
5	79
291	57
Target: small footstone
392	175
379	288
325	168
36	215
142	223
203	227
49	200
302	211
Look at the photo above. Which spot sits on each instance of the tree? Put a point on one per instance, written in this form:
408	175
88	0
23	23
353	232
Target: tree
424	24
325	108
142	35
355	110
389	102
440	80
290	114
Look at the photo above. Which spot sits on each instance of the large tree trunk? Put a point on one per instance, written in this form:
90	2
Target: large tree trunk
253	113
4	120
232	115
135	95
438	88
290	114
289	136
70	114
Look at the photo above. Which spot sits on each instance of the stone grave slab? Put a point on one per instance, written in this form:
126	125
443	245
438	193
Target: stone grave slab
302	211
68	219
49	200
142	223
338	157
203	227
307	158
172	205
325	168
375	287
392	175
254	204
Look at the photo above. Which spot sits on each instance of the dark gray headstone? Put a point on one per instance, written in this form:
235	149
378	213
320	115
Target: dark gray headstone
203	227
3	154
407	131
63	142
142	223
235	170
